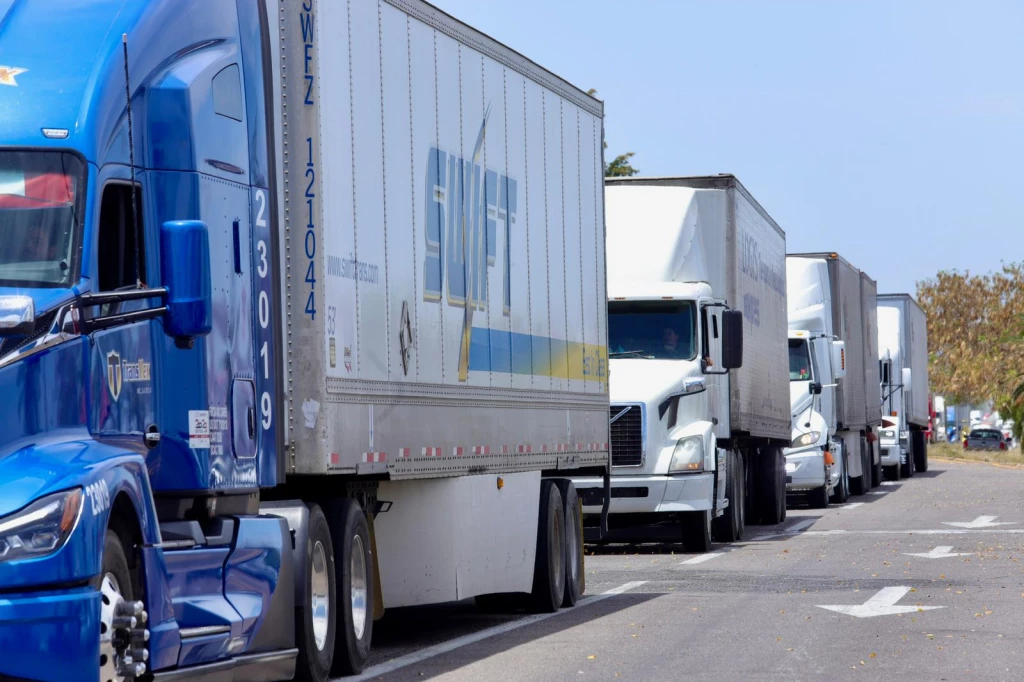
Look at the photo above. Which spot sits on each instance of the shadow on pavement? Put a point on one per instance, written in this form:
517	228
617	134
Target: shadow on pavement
414	628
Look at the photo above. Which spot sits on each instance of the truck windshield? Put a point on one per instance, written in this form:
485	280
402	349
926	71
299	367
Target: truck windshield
40	214
799	361
652	330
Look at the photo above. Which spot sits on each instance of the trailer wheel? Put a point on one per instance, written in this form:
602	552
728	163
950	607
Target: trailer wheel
877	475
316	617
549	567
574	569
920	450
730	525
352	554
771	480
841	493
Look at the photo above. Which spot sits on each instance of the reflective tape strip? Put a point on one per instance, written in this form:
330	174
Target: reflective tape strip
403	452
374	456
457	451
525	449
481	450
335	459
504	449
431	452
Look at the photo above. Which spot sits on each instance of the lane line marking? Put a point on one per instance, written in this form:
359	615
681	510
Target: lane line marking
889	483
879	492
978	531
851	505
796	527
459	642
702	558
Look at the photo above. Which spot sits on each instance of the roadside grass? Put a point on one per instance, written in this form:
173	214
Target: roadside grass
956	452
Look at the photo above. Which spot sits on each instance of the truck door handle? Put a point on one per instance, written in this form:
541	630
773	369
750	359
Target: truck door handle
252	422
238	247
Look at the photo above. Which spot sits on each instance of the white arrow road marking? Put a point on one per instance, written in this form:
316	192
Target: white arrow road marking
980	522
882	604
702	558
940	552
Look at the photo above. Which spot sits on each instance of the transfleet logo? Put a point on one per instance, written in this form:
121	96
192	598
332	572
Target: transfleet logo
8	73
121	371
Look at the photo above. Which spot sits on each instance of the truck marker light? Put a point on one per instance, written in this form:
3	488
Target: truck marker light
71	507
828	458
501	482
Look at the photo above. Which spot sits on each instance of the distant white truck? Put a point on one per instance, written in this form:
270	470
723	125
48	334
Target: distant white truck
831	346
903	365
697	346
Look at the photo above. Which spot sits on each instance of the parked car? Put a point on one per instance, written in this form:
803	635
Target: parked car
985	439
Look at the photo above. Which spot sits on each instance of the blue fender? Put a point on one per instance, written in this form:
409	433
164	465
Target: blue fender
62	460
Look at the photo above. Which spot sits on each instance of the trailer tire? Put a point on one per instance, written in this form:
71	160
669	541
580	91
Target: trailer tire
574	569
920	450
841	493
877	475
316	632
729	526
771	480
549	567
352	553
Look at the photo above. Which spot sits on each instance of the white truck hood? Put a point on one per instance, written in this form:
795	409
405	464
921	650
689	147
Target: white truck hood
635	380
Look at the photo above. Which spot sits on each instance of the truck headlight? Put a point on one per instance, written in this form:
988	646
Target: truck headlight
688	455
805	439
889	433
40	528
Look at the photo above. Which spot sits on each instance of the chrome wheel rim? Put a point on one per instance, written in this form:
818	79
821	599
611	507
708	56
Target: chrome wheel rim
320	597
110	595
357	578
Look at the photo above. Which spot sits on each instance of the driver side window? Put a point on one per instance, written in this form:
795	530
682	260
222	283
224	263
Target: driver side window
116	252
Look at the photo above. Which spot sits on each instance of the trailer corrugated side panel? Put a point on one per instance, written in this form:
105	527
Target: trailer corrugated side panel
443	249
756	262
848	325
916	324
872	380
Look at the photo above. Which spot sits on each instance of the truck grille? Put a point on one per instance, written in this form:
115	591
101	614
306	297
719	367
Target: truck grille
627	435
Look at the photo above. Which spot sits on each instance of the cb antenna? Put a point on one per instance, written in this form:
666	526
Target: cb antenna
131	161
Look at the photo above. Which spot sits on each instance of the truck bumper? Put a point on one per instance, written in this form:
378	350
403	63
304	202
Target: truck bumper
805	469
890	456
646	494
50	636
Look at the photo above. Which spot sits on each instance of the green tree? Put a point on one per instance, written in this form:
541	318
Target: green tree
620	166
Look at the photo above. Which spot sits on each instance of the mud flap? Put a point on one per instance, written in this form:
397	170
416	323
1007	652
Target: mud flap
378	592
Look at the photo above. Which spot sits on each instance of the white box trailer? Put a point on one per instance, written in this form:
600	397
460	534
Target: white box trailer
697	337
872	378
444	319
903	355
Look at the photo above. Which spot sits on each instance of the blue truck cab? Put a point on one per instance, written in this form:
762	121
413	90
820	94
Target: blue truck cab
138	373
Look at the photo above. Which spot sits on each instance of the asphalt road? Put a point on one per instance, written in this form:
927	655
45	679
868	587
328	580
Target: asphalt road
754	610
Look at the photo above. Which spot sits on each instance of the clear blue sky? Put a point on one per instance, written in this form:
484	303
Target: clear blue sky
875	129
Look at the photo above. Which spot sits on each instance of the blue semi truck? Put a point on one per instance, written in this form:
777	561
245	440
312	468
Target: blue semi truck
272	353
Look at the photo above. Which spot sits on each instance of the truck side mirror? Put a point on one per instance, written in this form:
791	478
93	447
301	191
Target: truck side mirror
732	339
838	359
815	388
907	382
185	267
17	315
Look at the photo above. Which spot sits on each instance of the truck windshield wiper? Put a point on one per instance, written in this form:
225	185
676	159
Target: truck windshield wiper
633	353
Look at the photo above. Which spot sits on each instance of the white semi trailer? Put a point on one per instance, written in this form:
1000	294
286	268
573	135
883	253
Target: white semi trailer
444	316
831	315
903	365
697	340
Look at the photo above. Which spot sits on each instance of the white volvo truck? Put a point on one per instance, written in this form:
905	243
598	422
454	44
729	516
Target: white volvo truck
831	310
697	341
903	365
